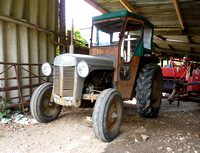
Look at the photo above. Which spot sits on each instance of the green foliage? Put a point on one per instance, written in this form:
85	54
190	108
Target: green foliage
26	109
4	112
80	40
2	136
57	50
7	112
17	111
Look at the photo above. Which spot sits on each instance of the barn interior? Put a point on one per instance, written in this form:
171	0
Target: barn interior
31	30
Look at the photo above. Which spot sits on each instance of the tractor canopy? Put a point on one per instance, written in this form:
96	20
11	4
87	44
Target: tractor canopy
122	14
131	31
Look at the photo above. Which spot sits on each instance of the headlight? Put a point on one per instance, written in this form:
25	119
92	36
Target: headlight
46	69
83	69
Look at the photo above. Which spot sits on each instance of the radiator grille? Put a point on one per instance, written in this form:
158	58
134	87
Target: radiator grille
67	81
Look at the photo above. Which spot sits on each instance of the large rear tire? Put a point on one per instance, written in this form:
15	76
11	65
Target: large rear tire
107	115
149	90
41	108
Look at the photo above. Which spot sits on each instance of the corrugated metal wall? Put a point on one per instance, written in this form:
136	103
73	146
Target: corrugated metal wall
26	28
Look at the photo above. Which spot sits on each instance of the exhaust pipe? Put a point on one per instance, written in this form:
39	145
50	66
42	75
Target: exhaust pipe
71	47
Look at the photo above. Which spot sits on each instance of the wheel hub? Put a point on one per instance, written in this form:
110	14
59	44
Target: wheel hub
114	115
50	103
48	106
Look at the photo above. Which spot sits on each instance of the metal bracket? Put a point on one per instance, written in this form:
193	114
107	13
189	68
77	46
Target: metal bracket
91	97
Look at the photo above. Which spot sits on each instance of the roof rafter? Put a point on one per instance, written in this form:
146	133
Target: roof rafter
163	38
185	44
178	12
177	52
176	32
128	6
96	6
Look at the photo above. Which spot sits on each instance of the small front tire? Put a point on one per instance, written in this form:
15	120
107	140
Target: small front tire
107	115
41	108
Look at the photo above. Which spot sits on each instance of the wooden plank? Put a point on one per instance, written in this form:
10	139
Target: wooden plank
176	32
163	38
177	52
178	12
160	37
148	2
159	9
128	6
181	38
161	21
176	43
96	6
167	31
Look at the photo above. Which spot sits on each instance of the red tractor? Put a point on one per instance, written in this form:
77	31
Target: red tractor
182	79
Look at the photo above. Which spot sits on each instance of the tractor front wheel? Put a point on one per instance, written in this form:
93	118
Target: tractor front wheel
149	90
42	109
107	115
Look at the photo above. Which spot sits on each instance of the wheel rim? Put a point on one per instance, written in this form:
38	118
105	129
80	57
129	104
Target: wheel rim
48	108
156	90
114	115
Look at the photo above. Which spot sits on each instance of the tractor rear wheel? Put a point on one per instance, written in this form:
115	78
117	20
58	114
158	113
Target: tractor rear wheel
149	90
42	109
107	115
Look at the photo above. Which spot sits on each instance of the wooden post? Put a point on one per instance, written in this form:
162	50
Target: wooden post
62	25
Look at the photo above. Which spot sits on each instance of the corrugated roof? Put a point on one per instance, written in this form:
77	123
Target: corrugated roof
176	23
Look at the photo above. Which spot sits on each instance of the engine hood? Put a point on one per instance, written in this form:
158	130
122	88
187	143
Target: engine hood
95	62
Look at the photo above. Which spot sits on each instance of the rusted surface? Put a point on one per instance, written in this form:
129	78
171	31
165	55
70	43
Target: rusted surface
64	81
17	67
108	50
56	80
19	88
16	87
114	115
68	79
16	105
126	87
91	97
64	101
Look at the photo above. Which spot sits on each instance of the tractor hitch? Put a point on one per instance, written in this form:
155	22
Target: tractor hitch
178	85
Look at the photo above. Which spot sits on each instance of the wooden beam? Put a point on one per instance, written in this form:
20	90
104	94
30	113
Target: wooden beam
128	6
96	6
160	37
190	41
178	12
175	32
25	23
177	52
167	31
163	38
183	44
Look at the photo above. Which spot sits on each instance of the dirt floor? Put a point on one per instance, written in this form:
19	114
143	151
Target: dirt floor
174	130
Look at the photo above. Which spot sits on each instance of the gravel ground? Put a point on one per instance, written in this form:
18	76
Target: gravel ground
174	130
